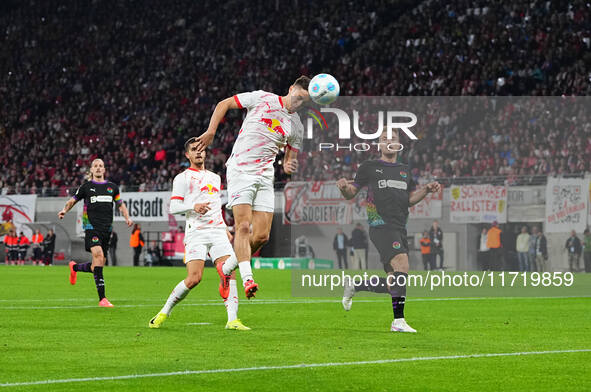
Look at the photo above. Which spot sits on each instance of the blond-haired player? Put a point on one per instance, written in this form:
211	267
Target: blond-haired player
99	196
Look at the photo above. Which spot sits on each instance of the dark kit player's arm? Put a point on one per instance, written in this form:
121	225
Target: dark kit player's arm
125	213
348	190
79	195
69	204
420	194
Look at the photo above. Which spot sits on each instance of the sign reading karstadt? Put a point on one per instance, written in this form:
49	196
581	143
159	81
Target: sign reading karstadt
145	206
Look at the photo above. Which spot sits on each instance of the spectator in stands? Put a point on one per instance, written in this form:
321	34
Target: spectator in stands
522	248
145	105
49	247
23	247
541	252
339	244
37	242
493	243
360	245
113	248
573	248
428	262
587	250
136	241
436	237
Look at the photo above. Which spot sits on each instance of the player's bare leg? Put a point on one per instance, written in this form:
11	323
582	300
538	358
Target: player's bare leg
242	222
194	275
243	219
397	278
261	228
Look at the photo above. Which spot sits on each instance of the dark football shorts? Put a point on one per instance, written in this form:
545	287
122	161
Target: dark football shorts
97	238
389	241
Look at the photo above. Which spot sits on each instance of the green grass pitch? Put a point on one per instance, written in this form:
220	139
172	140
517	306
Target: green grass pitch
50	330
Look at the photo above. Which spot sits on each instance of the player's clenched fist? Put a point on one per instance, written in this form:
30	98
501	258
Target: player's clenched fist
343	183
291	166
433	187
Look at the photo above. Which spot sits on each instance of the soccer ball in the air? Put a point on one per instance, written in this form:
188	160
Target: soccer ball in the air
323	89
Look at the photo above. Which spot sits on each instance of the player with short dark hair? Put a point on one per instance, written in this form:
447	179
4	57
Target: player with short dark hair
390	194
99	196
196	194
271	123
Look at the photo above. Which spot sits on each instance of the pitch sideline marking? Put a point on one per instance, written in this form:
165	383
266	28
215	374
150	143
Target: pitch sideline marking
283	301
286	367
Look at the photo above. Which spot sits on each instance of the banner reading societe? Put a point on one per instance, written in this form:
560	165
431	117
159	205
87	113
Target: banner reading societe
318	202
478	204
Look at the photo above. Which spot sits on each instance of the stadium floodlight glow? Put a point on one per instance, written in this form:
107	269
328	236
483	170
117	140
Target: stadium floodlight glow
345	124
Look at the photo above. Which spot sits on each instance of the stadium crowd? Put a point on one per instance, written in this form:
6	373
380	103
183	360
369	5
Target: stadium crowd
129	81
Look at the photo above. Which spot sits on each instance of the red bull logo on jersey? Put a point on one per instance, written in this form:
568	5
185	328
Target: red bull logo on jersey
209	189
273	125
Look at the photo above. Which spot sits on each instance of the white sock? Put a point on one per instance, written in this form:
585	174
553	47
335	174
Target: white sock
177	295
245	271
232	302
230	264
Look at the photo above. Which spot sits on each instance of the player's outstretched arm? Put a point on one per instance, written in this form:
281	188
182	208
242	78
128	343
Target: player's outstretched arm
420	194
69	204
220	111
348	190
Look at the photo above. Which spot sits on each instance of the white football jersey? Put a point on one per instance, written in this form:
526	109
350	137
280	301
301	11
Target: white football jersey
197	186
267	128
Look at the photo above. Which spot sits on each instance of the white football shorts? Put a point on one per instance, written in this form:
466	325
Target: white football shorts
254	190
201	242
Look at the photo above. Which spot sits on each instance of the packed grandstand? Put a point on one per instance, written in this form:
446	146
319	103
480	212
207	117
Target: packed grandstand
132	95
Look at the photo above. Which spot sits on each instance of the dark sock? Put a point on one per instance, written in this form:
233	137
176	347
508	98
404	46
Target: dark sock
99	282
398	306
398	293
382	286
82	267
